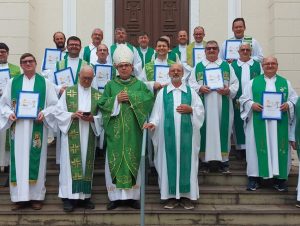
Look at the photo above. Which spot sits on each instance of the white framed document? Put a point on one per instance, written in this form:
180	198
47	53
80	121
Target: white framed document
103	74
51	56
198	55
161	74
28	105
4	78
213	78
271	105
64	77
232	48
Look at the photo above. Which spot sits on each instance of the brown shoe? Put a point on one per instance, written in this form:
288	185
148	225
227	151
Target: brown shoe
36	205
18	206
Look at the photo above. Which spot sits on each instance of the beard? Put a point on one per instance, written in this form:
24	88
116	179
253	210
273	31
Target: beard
60	45
176	79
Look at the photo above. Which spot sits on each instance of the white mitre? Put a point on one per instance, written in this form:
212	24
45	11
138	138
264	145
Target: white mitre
123	54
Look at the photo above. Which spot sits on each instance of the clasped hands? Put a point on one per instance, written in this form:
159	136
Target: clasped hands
80	115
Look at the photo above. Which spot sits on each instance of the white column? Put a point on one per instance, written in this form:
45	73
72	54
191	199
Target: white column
194	17
109	23
69	17
234	11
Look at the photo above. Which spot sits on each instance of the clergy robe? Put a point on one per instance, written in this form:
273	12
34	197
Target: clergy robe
246	101
159	141
64	122
23	190
123	124
212	144
296	132
4	150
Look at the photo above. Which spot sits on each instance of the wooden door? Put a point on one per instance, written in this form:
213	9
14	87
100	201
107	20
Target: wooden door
156	17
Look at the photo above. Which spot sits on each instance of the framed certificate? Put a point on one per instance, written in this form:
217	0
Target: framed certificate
4	78
213	78
161	74
271	105
51	56
28	105
198	55
64	77
103	74
232	48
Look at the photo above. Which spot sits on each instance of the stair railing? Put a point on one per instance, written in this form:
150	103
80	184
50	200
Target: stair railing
142	165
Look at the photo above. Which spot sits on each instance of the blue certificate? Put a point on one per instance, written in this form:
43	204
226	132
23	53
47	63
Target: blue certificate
271	105
161	74
28	105
103	74
4	78
51	56
198	55
64	77
213	78
232	48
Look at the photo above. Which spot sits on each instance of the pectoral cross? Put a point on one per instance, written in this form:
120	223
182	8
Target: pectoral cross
71	93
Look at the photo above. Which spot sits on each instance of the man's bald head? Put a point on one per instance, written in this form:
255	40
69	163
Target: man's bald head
86	76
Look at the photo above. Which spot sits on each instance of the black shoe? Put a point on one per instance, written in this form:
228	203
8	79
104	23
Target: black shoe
67	205
224	168
88	204
112	205
298	204
204	167
135	204
280	185
252	184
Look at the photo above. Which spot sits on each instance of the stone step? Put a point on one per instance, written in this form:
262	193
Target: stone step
213	195
155	215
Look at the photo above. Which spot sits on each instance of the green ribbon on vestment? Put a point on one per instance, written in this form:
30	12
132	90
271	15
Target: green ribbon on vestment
176	51
224	125
87	54
148	55
189	53
81	183
186	134
260	134
238	122
37	128
149	69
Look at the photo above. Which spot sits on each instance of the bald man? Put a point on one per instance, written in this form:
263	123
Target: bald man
267	140
79	123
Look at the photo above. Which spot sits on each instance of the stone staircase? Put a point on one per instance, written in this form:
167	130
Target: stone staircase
223	201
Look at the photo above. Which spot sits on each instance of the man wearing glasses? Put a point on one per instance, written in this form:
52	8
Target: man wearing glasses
28	136
217	83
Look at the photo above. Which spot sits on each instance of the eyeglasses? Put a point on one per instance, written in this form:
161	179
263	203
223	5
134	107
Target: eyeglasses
75	45
211	48
102	50
3	51
27	61
247	50
124	65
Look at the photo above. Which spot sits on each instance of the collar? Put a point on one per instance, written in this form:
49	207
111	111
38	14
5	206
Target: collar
273	78
4	65
170	88
73	59
82	88
241	63
91	46
207	62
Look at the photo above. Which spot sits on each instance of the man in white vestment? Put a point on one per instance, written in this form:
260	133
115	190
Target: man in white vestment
178	111
217	127
238	28
13	70
267	140
28	136
77	117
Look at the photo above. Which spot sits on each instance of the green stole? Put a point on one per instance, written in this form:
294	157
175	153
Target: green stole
149	69
87	54
81	183
148	55
171	56
63	64
259	125
297	128
37	129
200	73
114	46
189	53
238	122
123	132
176	51
186	134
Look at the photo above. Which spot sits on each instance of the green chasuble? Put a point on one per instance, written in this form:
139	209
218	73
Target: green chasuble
149	69
81	182
176	51
189	53
238	122
200	73
63	64
37	129
124	131
148	55
297	128
260	133
186	134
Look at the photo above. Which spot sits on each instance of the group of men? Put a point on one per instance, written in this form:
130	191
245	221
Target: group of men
189	119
